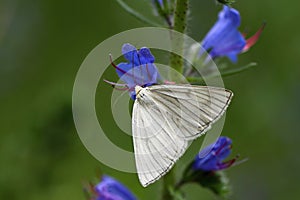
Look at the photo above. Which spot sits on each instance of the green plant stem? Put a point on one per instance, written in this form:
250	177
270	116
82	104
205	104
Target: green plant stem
180	21
176	62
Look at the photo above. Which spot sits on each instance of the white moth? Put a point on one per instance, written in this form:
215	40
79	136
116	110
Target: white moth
166	118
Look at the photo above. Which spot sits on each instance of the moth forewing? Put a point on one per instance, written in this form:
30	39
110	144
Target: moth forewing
193	108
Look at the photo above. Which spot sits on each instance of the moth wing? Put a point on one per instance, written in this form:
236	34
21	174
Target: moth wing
193	109
164	124
156	145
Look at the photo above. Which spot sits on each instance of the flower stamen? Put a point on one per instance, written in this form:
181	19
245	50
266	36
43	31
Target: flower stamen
125	87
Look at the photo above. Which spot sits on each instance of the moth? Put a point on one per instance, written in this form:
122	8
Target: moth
166	118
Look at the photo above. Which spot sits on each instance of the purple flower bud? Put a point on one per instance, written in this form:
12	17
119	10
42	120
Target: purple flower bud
111	189
211	158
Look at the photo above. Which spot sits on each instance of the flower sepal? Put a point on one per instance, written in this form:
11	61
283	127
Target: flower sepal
165	9
216	181
226	2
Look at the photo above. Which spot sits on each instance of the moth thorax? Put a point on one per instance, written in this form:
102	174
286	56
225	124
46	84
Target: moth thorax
142	93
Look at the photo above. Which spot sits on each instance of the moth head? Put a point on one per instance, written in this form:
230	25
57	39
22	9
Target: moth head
138	90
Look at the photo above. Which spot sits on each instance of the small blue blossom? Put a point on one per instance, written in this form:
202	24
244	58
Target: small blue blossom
211	158
224	39
160	2
111	189
139	70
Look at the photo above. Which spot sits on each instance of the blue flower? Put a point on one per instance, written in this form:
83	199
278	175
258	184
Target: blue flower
110	189
211	158
224	39
139	70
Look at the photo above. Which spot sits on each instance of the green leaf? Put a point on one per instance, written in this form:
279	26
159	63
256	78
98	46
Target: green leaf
238	70
136	14
176	194
229	72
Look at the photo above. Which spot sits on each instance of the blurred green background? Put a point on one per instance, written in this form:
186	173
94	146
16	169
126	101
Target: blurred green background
42	45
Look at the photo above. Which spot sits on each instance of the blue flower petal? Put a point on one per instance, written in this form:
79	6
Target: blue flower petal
139	75
233	57
224	39
126	73
207	163
146	56
110	189
213	154
130	53
223	148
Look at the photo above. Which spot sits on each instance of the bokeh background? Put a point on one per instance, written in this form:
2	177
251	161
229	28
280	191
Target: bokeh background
42	45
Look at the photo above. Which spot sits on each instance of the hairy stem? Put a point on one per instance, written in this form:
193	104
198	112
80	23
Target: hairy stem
180	22
176	62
